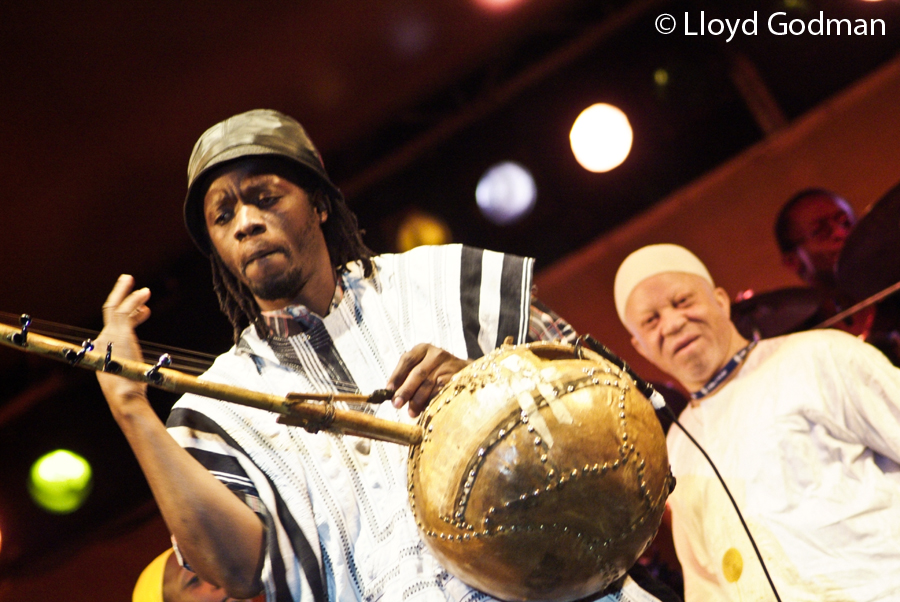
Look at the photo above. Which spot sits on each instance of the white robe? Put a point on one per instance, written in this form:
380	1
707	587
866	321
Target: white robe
807	437
341	502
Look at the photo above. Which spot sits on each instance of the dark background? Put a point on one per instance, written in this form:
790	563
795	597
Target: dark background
409	103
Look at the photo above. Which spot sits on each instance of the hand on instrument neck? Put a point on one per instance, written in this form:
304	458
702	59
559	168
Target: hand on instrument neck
124	310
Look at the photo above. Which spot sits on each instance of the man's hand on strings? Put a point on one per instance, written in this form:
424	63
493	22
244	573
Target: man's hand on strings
420	374
124	310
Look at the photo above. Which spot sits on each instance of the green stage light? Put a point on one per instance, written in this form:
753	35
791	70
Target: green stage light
60	481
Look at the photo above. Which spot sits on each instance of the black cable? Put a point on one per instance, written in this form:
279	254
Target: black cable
659	404
643	386
762	563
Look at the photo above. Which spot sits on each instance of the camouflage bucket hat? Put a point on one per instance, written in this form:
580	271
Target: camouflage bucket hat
254	133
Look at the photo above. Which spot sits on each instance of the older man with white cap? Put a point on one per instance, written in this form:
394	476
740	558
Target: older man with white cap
804	428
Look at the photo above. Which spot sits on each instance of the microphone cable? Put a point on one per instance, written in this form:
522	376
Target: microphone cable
659	403
762	563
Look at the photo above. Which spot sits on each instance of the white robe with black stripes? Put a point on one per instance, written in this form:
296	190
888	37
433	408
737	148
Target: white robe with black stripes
335	507
338	523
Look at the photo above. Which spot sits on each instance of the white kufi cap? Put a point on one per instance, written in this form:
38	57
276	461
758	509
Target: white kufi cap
649	261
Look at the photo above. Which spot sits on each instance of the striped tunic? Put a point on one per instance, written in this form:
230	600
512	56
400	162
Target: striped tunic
338	523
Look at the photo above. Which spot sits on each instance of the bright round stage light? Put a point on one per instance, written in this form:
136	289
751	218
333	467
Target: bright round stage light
498	6
60	481
506	193
601	138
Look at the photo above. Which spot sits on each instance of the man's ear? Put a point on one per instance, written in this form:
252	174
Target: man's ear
723	300
321	207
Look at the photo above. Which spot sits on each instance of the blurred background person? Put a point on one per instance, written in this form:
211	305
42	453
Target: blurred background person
812	230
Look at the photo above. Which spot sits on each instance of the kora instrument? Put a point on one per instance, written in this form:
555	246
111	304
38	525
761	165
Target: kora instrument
539	472
542	473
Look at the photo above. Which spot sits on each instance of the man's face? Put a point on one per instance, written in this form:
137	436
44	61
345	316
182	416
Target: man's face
820	225
266	230
681	324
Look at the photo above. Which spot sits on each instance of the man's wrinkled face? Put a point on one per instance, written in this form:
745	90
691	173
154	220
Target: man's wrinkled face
681	324
819	226
265	229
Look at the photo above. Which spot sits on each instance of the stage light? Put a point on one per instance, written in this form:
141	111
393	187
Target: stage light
506	193
601	138
60	481
420	228
498	6
661	77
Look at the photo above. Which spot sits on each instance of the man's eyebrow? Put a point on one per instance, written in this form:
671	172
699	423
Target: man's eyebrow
215	198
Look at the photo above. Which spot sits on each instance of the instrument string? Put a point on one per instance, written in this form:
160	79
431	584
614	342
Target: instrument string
189	361
184	360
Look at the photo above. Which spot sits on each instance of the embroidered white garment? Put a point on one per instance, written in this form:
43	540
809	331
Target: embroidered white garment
807	437
336	510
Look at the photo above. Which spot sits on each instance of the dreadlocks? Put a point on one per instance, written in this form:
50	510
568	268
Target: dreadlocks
343	238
